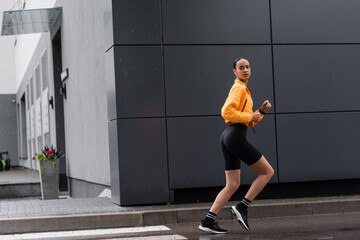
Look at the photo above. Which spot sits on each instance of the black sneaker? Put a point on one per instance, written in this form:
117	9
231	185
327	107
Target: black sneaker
241	216
211	227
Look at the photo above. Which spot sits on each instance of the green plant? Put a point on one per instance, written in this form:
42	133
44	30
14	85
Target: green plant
3	163
48	154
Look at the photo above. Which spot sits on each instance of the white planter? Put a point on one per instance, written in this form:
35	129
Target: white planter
49	179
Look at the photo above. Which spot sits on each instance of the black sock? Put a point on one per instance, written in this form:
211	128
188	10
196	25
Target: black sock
210	217
244	204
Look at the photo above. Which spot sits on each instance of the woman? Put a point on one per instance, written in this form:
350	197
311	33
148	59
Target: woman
238	114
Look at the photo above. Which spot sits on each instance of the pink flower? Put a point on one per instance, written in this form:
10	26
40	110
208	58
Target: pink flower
49	153
33	158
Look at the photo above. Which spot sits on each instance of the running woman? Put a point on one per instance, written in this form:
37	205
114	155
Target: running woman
238	114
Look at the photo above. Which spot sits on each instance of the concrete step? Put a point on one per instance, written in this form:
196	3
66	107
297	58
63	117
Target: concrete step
20	190
19	183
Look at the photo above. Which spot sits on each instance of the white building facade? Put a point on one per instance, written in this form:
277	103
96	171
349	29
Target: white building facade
75	121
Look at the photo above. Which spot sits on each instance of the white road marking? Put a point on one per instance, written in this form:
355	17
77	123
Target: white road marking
161	237
83	233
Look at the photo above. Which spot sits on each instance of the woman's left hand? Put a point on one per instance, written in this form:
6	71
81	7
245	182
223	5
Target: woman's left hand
266	106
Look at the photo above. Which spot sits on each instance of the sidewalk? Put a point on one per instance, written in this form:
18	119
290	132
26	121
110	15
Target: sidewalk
35	215
20	216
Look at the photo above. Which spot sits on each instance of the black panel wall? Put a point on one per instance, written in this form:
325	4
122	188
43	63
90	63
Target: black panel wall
136	22
318	146
315	51
216	21
193	147
316	78
198	54
198	78
170	70
320	21
140	89
142	155
136	103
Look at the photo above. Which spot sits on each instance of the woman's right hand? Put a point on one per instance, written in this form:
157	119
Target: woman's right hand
256	117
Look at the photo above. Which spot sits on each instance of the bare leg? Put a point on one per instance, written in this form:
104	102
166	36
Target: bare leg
232	184
265	171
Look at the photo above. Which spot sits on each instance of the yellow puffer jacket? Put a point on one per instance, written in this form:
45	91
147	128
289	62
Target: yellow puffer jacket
235	110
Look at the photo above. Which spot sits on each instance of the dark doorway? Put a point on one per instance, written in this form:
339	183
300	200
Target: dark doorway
59	109
23	131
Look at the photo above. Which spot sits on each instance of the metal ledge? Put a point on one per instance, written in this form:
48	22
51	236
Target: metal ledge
30	21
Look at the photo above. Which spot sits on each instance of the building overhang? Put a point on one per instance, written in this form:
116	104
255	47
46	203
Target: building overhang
31	21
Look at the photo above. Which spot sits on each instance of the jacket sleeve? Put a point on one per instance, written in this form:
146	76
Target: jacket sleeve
254	123
229	110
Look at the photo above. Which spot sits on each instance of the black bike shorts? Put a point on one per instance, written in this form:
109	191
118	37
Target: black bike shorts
236	148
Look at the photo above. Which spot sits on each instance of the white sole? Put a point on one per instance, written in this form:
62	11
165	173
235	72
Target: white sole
239	217
205	229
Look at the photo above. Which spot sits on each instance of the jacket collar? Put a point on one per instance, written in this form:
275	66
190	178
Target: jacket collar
241	83
238	81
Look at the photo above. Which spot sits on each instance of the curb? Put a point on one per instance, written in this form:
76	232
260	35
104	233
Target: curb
173	215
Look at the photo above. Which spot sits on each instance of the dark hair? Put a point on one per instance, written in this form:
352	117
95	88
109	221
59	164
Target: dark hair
235	62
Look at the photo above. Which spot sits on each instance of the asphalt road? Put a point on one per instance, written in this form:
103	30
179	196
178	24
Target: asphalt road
315	227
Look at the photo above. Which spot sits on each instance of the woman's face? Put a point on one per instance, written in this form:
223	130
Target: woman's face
243	70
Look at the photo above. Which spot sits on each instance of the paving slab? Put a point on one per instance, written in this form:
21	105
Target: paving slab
19	176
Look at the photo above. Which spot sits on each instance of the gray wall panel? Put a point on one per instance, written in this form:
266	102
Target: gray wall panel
198	78
316	78
110	84
320	21
8	128
136	22
84	189
139	81
216	21
142	161
318	146
195	158
265	141
114	161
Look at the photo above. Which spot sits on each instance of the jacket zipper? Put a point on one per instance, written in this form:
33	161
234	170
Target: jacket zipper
243	110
